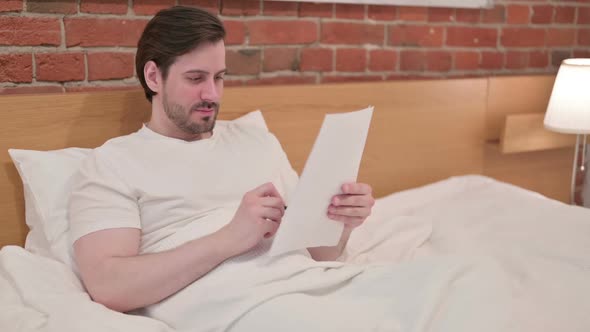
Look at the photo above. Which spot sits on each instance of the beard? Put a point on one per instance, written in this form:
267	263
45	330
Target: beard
181	116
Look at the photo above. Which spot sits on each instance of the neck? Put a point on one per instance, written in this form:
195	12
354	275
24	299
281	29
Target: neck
177	134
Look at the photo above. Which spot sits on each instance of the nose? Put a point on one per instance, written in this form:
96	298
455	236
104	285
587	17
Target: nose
210	91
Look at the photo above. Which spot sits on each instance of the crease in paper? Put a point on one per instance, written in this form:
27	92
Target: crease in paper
334	160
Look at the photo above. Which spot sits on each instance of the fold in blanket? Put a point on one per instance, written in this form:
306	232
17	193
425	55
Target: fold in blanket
466	254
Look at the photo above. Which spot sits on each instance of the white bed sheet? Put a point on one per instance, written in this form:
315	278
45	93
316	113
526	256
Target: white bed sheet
498	254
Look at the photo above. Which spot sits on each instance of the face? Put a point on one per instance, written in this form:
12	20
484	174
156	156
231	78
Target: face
192	91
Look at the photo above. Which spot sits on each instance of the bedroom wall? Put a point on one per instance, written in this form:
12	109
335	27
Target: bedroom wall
79	45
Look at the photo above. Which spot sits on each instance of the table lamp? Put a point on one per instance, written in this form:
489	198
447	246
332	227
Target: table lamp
569	109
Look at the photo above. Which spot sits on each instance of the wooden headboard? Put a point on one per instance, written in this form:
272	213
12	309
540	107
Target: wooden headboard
422	131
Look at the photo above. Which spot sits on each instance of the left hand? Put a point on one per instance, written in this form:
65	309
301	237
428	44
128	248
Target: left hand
353	206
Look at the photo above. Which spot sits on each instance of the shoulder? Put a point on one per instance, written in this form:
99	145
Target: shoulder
113	149
251	126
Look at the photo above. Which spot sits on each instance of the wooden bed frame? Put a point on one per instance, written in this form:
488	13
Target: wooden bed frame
422	131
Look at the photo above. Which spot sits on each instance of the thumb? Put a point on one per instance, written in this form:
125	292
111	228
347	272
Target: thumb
271	228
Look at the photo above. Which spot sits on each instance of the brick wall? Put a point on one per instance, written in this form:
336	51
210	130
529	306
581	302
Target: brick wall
76	45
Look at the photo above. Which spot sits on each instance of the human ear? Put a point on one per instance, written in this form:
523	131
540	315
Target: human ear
153	76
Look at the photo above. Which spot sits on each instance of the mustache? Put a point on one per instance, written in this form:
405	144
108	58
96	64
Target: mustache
206	104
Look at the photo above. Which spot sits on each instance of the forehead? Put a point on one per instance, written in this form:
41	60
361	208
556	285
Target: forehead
208	56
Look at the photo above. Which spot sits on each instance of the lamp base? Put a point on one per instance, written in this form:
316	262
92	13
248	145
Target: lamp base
579	195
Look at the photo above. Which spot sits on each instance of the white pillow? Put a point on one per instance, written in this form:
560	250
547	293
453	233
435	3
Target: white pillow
46	177
47	182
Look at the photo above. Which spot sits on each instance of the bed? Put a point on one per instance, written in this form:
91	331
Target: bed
447	193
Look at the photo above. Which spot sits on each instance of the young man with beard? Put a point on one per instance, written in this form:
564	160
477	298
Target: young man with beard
161	209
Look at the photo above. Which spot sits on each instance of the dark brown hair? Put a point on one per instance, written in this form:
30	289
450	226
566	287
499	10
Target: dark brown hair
171	33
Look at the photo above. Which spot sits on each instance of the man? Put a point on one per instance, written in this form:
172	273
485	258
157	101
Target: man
160	209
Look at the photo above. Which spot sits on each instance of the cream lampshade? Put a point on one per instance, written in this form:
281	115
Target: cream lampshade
569	108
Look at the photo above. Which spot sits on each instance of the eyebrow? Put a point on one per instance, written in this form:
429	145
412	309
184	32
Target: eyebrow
204	72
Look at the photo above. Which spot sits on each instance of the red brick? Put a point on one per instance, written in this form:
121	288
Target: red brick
474	37
52	6
31	89
282	32
406	76
243	62
538	59
106	7
235	32
382	60
492	60
94	88
17	68
558	56
583	15
316	10
351	59
413	13
523	37
467	15
565	14
11	6
281	80
497	14
350	11
272	8
151	7
382	12
581	54
103	32
280	58
110	65
439	61
542	14
415	35
584	37
413	60
466	60
241	7
518	14
316	59
561	37
210	5
350	78
437	14
59	67
352	33
20	31
516	60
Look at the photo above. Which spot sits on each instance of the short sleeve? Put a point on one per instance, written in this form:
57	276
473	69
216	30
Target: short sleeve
101	199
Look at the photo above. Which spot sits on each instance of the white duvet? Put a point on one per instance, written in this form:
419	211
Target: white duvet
465	254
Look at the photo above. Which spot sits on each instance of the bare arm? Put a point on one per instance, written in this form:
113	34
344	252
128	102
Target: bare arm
331	253
117	276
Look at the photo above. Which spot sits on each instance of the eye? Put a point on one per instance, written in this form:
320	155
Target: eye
218	78
195	79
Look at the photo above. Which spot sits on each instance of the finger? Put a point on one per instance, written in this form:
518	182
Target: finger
274	202
353	200
270	228
346	220
349	211
355	188
267	189
271	213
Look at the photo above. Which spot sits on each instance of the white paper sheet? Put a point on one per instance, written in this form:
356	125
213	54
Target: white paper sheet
334	160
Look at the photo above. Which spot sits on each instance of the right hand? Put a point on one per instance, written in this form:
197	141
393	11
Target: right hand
257	217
